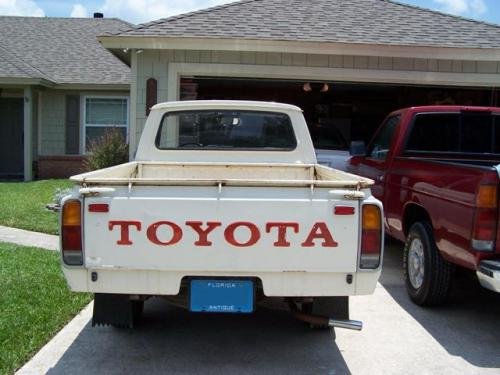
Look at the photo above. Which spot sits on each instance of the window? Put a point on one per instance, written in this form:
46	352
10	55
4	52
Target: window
228	130
466	132
379	148
328	138
437	132
103	113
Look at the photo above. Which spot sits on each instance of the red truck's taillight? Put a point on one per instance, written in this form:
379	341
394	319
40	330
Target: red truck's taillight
485	218
71	233
371	237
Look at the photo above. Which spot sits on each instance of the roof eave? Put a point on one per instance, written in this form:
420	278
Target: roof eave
25	81
94	86
124	42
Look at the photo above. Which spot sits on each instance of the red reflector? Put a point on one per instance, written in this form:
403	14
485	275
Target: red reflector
98	207
370	242
343	210
71	238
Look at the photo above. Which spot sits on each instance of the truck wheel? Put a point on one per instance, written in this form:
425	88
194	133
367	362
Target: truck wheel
427	274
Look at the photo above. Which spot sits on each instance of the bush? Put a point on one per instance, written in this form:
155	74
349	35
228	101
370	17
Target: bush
108	150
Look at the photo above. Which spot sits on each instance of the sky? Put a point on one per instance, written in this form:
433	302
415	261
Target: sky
139	11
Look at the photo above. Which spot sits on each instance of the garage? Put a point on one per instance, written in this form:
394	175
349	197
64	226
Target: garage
336	112
346	64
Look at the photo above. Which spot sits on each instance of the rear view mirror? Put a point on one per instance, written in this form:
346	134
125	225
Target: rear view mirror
357	148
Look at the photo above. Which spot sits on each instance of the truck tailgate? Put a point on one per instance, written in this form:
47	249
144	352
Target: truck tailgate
145	229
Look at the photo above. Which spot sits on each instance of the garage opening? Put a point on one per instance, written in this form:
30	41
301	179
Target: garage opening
336	112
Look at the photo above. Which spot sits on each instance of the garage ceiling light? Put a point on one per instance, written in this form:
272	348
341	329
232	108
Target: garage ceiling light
321	87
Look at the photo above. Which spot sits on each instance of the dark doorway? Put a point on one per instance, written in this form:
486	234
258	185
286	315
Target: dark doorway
354	110
11	137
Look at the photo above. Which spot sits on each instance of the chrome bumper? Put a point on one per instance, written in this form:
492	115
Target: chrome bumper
488	274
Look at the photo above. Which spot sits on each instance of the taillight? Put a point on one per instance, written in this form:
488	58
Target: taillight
71	233
371	237
485	218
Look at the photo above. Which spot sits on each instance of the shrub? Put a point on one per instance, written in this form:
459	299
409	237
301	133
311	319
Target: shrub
108	150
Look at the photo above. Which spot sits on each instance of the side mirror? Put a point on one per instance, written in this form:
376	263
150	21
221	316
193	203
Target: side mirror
357	148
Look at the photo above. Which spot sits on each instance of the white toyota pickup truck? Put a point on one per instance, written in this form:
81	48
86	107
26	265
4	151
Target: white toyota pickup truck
224	206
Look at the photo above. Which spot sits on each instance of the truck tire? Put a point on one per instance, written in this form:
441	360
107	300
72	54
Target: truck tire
427	275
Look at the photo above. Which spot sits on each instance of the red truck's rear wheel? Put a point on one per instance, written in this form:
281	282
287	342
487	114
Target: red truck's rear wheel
427	274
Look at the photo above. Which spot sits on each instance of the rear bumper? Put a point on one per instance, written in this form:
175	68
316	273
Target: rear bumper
275	284
488	274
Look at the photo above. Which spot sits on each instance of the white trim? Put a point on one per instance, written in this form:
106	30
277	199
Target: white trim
83	118
92	87
322	48
28	133
39	123
176	70
133	108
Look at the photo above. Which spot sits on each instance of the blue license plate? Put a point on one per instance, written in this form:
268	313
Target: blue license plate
221	296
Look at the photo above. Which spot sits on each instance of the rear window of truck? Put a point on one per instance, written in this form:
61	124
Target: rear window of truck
465	132
225	130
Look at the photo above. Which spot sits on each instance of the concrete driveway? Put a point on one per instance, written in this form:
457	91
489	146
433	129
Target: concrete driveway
399	337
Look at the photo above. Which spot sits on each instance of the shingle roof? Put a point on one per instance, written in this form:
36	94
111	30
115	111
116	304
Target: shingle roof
345	21
62	50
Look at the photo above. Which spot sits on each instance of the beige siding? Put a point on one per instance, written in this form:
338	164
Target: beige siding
52	130
52	115
155	64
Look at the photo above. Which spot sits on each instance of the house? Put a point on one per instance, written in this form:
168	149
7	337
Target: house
59	88
346	63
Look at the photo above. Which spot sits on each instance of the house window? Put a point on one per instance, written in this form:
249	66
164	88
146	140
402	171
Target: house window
102	114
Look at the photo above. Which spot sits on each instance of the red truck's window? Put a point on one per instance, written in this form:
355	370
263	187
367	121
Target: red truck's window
465	132
226	130
435	132
381	144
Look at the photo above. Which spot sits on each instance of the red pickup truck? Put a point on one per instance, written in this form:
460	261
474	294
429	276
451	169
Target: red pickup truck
436	170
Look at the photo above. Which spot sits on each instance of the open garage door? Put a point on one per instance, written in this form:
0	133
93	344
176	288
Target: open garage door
11	137
336	112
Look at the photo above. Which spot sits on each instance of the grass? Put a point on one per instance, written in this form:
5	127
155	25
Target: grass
23	204
35	302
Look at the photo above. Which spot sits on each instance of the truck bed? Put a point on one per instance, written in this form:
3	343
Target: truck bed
226	174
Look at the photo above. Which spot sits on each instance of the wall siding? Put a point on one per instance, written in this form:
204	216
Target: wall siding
155	64
52	127
53	119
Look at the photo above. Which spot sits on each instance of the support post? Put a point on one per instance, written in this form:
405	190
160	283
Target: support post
28	134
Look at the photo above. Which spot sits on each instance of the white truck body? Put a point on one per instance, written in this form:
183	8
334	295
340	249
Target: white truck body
265	215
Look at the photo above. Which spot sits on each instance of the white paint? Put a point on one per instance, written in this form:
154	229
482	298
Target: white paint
28	134
258	187
320	48
303	153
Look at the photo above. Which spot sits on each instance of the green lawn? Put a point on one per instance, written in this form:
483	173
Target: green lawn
35	302
23	204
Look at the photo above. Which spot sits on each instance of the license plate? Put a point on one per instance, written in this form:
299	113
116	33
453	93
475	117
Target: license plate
221	296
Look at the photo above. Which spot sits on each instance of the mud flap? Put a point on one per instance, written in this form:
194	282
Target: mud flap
112	309
331	307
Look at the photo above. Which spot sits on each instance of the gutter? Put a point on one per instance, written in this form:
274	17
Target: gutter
121	43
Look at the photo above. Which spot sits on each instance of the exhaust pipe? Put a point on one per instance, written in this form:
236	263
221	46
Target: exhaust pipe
355	325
